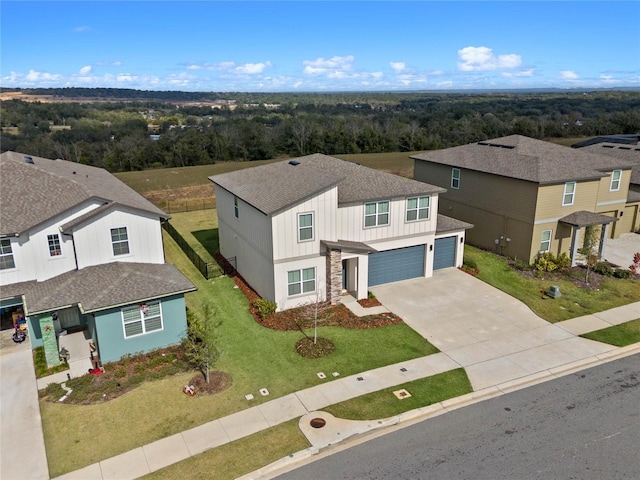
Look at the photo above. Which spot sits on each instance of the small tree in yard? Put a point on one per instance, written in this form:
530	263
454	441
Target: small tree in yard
590	249
199	349
315	310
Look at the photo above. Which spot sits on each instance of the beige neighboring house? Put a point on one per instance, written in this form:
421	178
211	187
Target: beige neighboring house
526	196
314	227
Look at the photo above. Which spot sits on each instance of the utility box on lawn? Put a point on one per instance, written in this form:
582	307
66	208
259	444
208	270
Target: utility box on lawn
554	292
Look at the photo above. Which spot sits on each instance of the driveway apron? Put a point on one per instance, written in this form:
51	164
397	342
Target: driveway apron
495	337
21	441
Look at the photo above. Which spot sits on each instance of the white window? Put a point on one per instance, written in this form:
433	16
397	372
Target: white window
141	319
569	193
615	180
55	250
376	213
418	208
236	212
301	281
455	178
6	255
545	241
120	241
305	227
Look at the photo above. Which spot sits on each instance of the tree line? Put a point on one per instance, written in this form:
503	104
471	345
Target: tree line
163	131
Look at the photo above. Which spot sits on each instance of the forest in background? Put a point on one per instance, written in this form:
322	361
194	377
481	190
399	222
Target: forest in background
129	130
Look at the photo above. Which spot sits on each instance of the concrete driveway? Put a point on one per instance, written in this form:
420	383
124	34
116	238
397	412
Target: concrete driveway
495	337
619	251
21	440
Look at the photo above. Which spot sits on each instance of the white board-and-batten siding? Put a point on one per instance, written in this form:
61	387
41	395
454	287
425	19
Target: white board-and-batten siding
351	223
93	238
31	250
285	226
246	241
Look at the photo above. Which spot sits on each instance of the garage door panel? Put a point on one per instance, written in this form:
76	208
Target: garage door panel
444	254
395	265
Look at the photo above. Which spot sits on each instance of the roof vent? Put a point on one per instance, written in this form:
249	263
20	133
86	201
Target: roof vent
294	162
28	159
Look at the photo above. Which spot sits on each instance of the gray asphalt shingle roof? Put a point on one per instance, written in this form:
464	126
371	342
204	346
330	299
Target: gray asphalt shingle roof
35	192
626	153
584	218
100	287
448	224
525	158
277	186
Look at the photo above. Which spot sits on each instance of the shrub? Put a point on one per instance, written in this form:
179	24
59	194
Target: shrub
265	307
603	268
622	273
563	261
548	262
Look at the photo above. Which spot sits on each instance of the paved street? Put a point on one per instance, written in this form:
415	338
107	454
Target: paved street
582	426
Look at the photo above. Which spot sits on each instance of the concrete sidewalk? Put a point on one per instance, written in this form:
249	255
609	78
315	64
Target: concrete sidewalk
306	404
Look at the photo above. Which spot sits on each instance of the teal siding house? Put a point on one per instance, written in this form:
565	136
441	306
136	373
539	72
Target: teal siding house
80	251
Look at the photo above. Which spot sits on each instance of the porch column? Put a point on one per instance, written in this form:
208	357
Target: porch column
334	275
575	233
603	236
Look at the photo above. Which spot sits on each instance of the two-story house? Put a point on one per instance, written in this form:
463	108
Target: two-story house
527	196
81	250
311	228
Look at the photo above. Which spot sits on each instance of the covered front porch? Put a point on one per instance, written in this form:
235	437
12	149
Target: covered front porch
578	221
346	269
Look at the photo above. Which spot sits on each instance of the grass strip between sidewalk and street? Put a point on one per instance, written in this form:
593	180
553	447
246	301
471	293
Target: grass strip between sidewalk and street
618	335
424	392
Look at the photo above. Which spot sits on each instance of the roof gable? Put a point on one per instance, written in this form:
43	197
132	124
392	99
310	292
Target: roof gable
277	186
35	192
525	158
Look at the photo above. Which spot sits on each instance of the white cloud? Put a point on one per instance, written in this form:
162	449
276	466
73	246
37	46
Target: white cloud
398	66
331	66
482	59
85	70
523	73
36	76
82	28
252	68
568	75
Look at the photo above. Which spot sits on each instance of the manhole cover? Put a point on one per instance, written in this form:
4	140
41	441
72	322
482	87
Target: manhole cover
318	422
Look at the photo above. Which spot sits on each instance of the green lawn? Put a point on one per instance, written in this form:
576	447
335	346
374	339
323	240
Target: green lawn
424	392
254	356
574	302
200	230
250	453
618	335
238	458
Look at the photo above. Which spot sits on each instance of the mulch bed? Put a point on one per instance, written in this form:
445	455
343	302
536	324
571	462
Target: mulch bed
218	382
369	302
338	315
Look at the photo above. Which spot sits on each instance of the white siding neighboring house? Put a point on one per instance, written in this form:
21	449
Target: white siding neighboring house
77	246
311	227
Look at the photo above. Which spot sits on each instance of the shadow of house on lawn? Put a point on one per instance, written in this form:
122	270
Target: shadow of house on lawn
208	239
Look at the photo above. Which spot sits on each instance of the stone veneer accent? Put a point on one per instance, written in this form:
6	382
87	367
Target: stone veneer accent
334	275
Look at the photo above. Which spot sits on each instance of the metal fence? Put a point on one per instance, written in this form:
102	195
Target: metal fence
186	205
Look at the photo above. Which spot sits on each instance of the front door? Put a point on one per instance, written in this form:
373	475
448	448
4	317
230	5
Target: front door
344	275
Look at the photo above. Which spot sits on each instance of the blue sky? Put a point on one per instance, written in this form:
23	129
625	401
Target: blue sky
309	46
